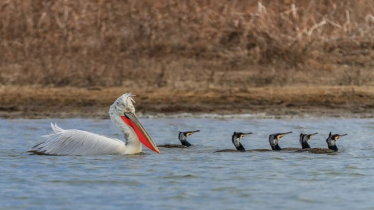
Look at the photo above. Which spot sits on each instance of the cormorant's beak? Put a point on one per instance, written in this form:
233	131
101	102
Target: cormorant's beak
131	120
342	135
283	134
191	132
247	133
310	135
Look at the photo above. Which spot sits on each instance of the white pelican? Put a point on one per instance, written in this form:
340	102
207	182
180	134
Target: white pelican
78	142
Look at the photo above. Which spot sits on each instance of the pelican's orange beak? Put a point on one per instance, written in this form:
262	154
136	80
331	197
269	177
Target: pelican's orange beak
131	120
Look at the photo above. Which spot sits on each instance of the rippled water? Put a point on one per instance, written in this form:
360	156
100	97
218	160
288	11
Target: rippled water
192	178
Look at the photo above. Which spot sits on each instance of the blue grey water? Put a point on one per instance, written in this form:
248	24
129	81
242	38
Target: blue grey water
192	178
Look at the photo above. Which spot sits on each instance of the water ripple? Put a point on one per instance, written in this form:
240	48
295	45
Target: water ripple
192	178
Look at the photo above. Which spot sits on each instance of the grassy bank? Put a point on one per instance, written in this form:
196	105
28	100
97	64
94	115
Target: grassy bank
186	44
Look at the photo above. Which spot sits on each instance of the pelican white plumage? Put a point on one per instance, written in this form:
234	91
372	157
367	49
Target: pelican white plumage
78	142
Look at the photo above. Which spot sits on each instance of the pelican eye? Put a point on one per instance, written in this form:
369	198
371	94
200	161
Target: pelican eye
128	110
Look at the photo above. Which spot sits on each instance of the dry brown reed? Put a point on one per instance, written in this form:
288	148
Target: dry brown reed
186	44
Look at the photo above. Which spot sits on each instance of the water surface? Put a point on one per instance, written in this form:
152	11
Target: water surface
192	178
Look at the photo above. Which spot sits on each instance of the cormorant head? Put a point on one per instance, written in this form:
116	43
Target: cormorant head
274	139
304	138
182	136
331	141
236	136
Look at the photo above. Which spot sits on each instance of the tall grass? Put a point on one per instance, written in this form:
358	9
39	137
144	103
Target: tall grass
183	44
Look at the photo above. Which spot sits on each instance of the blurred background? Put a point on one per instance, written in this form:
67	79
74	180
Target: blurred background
183	44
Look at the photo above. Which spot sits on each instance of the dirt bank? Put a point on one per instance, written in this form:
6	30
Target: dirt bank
29	102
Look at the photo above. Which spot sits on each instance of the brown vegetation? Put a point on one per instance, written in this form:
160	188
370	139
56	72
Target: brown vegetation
202	44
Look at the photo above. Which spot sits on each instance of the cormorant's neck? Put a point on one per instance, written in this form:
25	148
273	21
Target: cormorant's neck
240	147
276	147
331	144
333	147
274	143
305	145
237	144
183	140
186	143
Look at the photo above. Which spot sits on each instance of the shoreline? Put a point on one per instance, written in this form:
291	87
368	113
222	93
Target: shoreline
263	102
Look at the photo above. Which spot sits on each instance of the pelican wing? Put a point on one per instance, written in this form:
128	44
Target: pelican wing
77	142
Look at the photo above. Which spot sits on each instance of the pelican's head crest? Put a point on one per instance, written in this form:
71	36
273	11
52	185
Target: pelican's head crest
124	103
